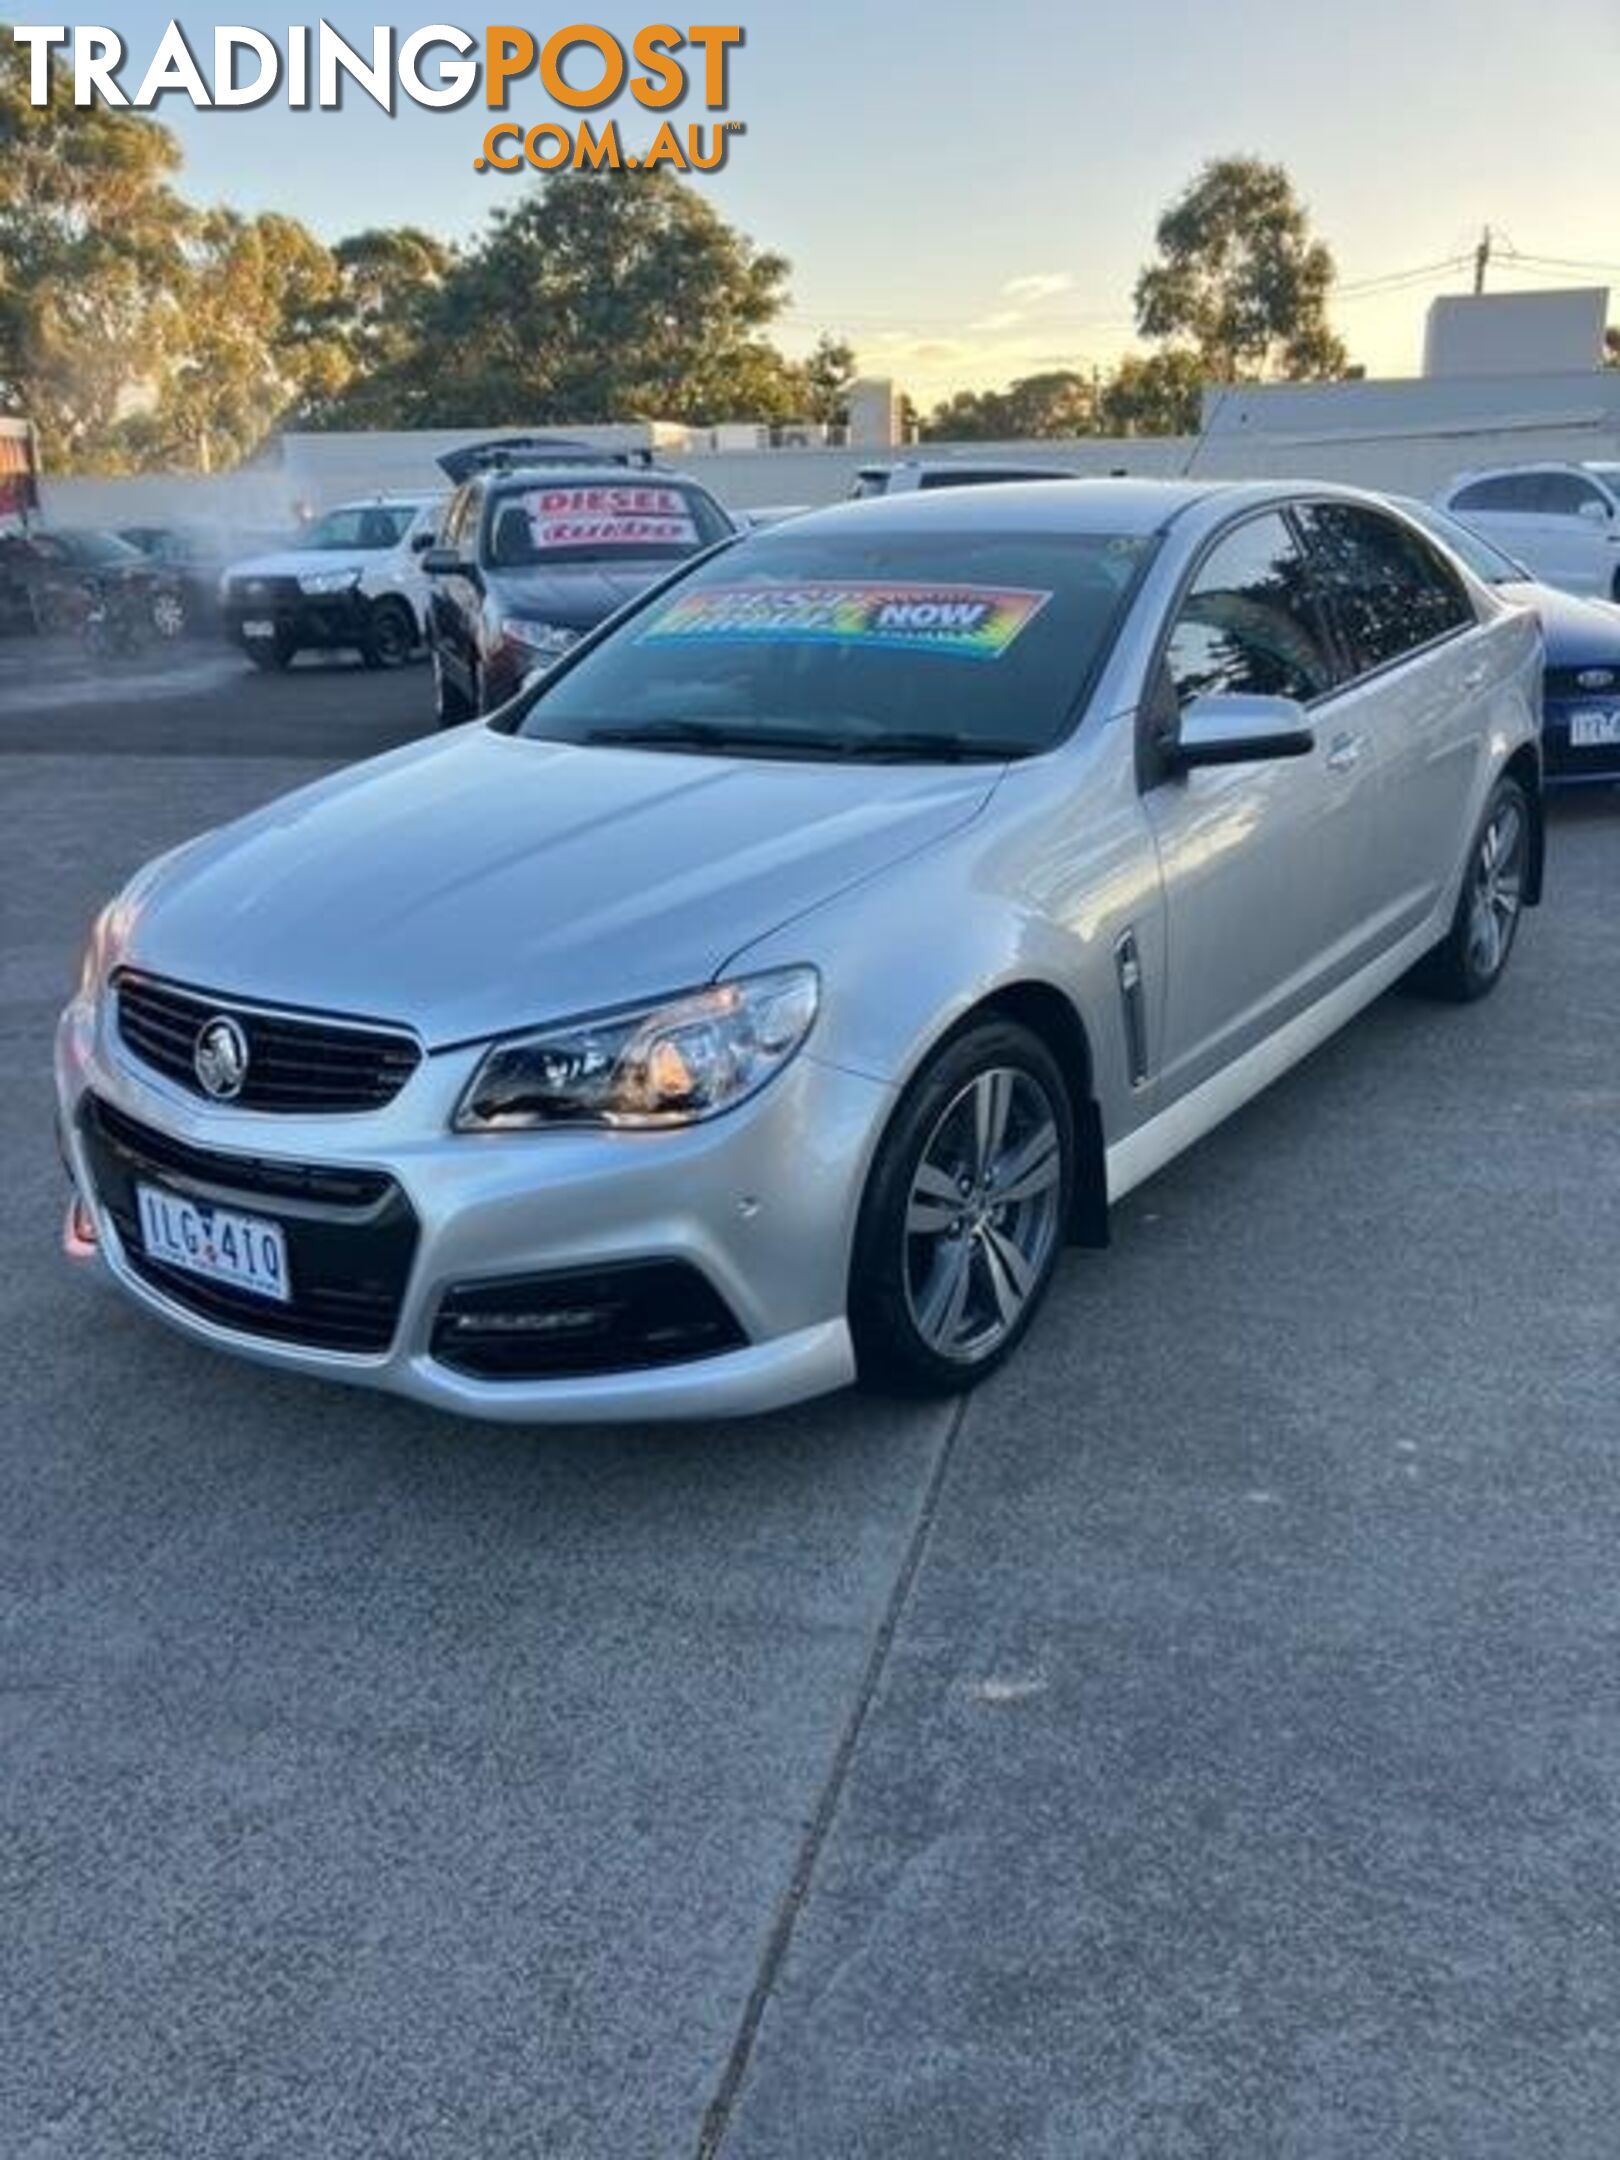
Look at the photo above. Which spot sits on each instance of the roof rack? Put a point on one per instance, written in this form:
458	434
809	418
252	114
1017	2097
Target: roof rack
507	452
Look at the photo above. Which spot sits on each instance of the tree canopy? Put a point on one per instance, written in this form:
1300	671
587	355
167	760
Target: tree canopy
139	330
1054	404
1239	277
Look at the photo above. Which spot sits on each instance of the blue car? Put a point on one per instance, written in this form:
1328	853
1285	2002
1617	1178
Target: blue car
1580	698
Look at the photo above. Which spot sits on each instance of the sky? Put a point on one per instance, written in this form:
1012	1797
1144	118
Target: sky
967	194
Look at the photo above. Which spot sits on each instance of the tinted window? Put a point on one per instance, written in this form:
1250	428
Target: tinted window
546	524
1485	560
1503	491
1562	494
377	526
986	476
1249	622
95	550
849	642
1389	592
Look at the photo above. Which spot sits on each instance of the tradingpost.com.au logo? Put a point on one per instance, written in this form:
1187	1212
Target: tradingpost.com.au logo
581	68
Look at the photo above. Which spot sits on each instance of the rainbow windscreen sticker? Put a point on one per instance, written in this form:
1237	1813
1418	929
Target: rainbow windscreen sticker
975	622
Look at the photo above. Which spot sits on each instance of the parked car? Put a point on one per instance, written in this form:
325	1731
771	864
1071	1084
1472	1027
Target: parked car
911	474
1561	521
765	995
532	557
352	582
193	557
1580	684
63	578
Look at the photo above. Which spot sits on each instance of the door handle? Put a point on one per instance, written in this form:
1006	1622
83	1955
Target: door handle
1344	753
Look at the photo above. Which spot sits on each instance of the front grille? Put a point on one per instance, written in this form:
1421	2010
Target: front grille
1563	683
622	1318
351	1233
308	1065
271	592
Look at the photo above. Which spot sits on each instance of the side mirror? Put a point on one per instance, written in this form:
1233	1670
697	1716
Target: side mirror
422	541
1598	513
1233	728
445	562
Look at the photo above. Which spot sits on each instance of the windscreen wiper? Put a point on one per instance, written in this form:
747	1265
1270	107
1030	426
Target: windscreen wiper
915	746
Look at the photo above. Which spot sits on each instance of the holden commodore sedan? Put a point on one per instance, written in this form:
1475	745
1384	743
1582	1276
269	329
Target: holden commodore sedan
763	997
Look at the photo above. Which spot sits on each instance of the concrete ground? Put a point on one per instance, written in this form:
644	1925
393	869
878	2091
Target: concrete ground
1207	1743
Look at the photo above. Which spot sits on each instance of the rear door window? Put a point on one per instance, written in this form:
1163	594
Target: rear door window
1389	593
1509	494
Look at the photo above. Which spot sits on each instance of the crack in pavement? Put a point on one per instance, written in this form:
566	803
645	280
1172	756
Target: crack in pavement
717	2117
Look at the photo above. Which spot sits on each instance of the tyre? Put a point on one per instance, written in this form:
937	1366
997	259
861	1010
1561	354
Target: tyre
390	635
964	1213
270	654
169	616
451	704
1468	963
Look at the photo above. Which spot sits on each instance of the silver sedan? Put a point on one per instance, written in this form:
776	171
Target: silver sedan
765	997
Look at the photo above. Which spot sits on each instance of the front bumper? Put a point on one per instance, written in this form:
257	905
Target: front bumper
302	622
760	1203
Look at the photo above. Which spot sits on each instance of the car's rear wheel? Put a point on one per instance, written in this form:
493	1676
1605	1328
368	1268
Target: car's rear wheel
450	703
964	1213
390	635
168	615
1470	961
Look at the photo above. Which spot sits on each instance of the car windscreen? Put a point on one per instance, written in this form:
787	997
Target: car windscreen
377	526
549	524
850	644
96	550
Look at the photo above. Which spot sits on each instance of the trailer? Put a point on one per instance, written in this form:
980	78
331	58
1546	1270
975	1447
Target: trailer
19	470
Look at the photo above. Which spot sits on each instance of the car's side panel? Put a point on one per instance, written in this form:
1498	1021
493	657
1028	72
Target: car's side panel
1042	887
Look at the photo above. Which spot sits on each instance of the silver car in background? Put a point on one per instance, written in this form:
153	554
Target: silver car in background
765	996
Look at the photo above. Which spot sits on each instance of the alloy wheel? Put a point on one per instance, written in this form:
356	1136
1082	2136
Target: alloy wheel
168	615
1497	891
982	1216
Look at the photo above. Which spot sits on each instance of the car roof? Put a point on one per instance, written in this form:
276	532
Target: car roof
1085	506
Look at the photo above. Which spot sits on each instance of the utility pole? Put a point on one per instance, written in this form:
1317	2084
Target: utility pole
1482	257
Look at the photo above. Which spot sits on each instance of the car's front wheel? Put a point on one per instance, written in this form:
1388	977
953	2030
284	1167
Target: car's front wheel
451	705
1468	964
964	1213
390	635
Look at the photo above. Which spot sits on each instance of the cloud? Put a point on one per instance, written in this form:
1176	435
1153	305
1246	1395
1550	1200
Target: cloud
1038	285
1005	319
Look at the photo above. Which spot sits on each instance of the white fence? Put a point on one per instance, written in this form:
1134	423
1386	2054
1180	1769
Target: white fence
312	472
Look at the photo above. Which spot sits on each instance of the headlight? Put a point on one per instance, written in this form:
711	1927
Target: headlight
328	581
659	1065
547	640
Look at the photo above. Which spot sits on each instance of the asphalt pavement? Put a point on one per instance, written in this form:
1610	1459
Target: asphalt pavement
1207	1743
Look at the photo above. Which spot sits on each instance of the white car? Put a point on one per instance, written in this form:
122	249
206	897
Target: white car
354	581
912	474
1563	521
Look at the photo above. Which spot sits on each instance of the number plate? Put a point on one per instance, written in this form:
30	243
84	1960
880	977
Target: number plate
1594	728
243	1250
258	629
